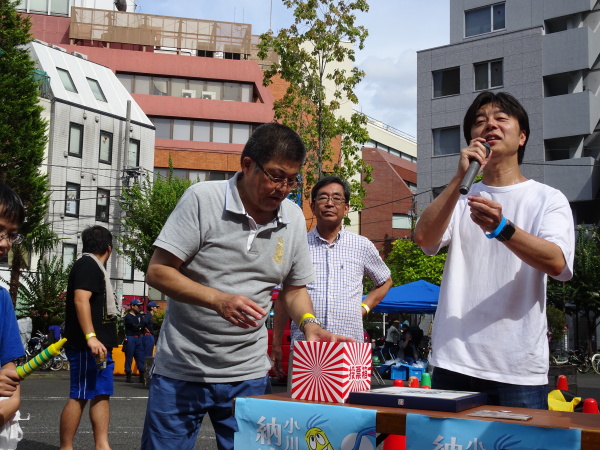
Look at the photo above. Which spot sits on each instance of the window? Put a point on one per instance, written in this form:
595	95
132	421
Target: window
201	131
446	82
96	89
446	141
75	139
127	268
66	79
488	75
106	140
401	221
69	254
72	200
126	80
484	20
221	132
163	128
133	156
160	86
141	84
102	205
182	129
60	7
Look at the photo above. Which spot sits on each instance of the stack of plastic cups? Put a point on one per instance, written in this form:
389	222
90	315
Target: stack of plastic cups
413	382
562	384
590	406
426	380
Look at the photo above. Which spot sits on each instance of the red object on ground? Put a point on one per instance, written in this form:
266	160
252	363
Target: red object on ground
590	406
561	383
394	442
399	383
425	387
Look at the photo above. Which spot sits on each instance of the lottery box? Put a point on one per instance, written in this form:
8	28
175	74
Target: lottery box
329	371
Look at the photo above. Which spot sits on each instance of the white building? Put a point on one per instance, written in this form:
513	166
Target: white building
91	154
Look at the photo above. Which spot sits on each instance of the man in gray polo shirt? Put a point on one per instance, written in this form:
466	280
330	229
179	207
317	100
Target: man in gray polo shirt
219	255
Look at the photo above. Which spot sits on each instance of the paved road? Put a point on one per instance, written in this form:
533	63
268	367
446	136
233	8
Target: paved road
45	393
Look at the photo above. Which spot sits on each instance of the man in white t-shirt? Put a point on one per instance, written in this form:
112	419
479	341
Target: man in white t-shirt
505	236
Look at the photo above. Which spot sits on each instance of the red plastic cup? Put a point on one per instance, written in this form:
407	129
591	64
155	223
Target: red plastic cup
590	406
561	383
399	383
414	382
394	442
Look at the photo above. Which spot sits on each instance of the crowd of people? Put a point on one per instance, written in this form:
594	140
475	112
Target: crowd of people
227	244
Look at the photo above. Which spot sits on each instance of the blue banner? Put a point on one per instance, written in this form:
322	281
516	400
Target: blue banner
428	433
273	424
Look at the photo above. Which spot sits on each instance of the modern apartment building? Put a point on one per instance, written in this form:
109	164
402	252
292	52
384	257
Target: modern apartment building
99	139
545	53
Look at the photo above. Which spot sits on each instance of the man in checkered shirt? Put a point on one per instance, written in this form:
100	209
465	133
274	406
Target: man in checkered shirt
341	259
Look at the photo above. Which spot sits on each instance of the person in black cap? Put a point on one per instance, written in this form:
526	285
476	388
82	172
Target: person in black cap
149	339
134	347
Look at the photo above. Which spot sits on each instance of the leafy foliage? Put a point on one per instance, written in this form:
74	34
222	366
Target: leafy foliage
581	295
408	263
41	293
310	52
22	138
147	205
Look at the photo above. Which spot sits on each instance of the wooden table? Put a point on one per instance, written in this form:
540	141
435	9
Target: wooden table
393	420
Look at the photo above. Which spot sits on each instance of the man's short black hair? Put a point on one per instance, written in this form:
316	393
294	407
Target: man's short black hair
329	180
96	239
507	103
274	141
11	206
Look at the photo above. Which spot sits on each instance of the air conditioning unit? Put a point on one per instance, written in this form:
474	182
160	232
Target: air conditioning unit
209	95
188	93
56	47
79	55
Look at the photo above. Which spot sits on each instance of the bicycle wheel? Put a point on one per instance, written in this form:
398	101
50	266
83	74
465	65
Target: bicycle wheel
596	363
584	367
56	364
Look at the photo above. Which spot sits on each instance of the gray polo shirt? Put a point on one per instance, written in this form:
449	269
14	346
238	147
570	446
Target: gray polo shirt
209	231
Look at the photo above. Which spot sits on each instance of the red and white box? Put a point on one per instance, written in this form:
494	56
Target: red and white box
329	371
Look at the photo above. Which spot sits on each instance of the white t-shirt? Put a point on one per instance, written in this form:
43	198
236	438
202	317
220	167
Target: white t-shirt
491	316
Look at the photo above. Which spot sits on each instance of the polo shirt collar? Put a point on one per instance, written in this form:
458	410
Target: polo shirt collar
233	201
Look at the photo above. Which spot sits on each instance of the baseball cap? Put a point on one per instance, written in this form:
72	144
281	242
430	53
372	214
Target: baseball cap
135	302
152	305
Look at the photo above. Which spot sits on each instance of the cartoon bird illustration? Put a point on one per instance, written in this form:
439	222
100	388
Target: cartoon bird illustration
504	443
315	438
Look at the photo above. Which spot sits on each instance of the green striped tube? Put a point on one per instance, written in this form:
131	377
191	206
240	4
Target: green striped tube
41	358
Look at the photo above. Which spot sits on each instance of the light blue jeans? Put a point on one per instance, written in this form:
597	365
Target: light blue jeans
176	408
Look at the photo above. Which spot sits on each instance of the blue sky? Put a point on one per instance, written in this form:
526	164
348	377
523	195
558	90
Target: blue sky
397	30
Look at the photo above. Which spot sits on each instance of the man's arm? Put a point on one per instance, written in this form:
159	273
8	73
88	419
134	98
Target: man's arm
539	253
436	217
297	303
376	295
279	322
84	317
163	274
9	387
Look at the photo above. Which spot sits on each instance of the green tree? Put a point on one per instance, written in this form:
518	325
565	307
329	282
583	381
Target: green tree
408	263
310	54
22	138
582	292
147	205
41	293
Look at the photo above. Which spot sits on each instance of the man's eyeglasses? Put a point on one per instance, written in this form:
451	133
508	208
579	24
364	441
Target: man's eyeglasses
14	239
281	183
336	200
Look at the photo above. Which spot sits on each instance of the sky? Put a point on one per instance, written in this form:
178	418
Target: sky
397	30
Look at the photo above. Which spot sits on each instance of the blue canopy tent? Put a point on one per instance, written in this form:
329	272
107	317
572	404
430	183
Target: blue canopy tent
419	297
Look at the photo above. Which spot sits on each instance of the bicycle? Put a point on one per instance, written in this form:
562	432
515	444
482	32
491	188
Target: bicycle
581	360
595	362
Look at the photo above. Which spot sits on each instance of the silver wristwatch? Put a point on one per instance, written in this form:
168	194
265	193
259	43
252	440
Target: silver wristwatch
309	320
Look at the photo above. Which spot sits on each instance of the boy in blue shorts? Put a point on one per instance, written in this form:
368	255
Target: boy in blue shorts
12	215
91	332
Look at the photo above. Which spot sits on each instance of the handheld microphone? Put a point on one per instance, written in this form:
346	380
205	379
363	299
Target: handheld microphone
472	172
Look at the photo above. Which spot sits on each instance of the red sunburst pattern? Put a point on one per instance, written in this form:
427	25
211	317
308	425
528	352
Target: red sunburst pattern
329	371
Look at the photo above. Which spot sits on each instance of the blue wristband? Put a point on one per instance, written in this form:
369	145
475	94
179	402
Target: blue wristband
498	230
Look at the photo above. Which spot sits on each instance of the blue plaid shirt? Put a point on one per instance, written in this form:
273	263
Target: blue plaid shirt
337	290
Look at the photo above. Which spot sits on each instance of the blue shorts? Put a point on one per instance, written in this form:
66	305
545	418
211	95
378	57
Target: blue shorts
176	408
87	382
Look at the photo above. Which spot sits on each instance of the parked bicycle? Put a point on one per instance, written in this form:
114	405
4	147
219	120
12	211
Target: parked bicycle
38	343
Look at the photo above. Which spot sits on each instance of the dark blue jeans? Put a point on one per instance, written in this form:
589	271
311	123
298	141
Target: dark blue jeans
501	394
